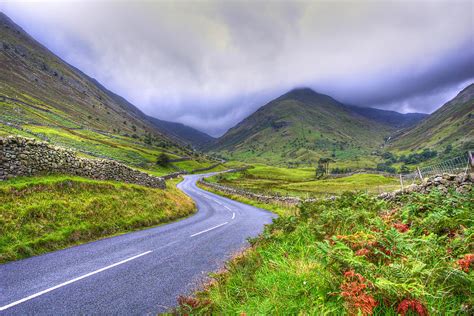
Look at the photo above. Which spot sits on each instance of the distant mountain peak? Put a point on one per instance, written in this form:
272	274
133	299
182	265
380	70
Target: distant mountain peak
307	95
302	91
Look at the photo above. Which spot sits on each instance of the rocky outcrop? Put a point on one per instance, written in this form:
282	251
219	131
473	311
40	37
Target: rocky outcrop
462	183
21	156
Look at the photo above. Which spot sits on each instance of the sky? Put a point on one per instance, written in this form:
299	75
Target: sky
210	64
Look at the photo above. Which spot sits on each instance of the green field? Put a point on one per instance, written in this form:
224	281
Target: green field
356	255
42	214
301	182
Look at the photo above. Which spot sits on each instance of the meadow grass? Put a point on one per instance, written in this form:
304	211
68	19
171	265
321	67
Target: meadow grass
41	214
354	255
301	182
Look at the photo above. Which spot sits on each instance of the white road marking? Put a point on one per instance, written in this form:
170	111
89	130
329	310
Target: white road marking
233	215
205	231
227	207
2	308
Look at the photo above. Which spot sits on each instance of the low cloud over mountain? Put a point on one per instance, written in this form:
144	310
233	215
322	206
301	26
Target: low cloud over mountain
210	64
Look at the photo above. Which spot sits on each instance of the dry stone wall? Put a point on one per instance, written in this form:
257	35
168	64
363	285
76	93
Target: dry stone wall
290	200
182	173
21	156
462	183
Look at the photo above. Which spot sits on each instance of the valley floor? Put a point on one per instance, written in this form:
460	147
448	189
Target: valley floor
302	182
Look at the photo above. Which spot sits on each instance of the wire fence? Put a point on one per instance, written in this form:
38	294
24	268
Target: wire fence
457	165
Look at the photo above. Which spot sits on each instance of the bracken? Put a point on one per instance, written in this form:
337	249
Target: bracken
353	290
467	262
401	227
411	304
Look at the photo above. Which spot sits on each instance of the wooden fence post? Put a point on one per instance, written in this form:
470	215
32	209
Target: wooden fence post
419	173
470	155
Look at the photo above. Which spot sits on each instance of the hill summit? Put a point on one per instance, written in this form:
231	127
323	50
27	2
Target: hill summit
304	125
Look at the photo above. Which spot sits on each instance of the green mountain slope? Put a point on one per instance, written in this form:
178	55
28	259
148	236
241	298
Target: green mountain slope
390	118
182	133
42	96
303	126
178	132
452	124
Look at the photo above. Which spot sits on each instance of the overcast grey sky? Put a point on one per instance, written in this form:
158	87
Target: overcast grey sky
209	64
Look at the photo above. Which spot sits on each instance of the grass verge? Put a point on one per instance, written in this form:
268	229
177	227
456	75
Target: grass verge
354	255
42	214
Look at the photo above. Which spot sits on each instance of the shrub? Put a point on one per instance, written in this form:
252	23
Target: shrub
163	160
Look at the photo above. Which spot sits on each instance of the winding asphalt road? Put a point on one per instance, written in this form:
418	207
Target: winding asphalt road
137	273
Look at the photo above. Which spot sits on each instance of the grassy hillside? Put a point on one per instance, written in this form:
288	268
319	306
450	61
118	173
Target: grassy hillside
301	182
291	128
390	118
354	256
41	96
42	214
452	124
303	126
183	133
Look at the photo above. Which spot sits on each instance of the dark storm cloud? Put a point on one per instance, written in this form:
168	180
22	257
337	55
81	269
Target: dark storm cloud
408	89
209	64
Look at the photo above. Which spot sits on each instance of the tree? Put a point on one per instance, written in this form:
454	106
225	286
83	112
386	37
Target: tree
323	167
148	139
163	160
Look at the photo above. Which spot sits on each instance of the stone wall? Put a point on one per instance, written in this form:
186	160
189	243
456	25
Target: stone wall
182	173
462	183
21	156
290	200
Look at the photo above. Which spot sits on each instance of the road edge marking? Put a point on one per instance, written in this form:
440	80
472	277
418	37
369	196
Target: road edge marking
2	308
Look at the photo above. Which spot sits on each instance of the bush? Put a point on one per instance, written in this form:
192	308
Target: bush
386	168
163	160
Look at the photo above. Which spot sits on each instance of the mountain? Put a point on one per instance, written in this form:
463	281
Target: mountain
178	132
44	97
33	73
303	125
182	133
452	124
390	118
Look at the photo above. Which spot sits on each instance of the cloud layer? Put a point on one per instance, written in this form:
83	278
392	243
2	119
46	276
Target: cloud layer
209	64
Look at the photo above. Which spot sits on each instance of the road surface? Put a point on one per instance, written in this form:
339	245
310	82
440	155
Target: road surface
136	273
